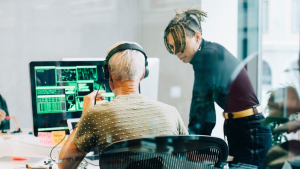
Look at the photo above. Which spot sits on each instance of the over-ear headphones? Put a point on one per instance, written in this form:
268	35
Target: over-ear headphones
121	47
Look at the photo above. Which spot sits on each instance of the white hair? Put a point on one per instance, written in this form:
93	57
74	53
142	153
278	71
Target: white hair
126	65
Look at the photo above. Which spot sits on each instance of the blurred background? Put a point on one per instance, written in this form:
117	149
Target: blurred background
48	30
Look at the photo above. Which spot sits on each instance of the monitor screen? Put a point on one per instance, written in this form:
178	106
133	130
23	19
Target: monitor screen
58	88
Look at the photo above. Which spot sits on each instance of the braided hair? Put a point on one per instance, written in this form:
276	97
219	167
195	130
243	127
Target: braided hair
179	26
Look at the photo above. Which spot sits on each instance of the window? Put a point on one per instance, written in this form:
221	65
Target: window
267	74
265	16
295	16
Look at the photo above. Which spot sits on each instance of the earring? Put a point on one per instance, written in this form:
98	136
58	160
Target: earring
199	46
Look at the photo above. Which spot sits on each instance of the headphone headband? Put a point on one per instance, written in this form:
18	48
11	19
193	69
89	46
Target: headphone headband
122	47
125	46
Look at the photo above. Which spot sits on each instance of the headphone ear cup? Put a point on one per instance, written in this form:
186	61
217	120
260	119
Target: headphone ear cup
146	72
105	72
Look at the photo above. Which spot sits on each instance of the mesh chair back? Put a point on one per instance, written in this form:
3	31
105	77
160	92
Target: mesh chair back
172	152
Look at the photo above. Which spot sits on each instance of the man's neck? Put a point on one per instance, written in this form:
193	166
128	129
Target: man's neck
127	87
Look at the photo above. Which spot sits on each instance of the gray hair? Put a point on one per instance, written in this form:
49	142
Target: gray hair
127	65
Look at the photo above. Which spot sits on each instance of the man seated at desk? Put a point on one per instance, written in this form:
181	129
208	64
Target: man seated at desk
130	115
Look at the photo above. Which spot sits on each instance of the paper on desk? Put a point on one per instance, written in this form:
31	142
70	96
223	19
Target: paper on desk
57	137
45	138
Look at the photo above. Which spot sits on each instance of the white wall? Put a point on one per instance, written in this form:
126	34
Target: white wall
221	27
55	29
49	30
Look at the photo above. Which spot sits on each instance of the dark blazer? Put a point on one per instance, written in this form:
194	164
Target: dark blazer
213	66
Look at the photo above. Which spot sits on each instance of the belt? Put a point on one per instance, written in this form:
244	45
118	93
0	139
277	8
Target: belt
244	113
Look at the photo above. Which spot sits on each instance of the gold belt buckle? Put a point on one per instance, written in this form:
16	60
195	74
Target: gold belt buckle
255	110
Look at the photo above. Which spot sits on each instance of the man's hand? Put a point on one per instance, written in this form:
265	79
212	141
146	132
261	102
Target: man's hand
89	100
91	97
2	115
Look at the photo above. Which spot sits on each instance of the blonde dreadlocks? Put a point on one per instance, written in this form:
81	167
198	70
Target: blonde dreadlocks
178	26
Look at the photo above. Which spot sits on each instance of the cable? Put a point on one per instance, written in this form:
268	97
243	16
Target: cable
97	94
75	127
90	163
98	91
55	146
58	144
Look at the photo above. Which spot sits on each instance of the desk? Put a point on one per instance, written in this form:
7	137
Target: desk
25	145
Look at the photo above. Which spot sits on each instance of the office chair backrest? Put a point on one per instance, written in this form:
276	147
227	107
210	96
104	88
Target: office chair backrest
165	152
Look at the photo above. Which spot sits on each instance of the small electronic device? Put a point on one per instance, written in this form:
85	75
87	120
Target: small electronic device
58	88
72	123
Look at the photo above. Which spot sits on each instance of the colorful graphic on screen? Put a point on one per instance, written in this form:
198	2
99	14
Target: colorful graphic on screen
60	90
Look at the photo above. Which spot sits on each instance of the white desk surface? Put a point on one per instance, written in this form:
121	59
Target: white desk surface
25	145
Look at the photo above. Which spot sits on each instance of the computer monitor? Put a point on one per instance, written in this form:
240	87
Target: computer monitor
58	88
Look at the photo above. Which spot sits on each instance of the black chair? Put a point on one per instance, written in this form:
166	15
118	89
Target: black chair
172	152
